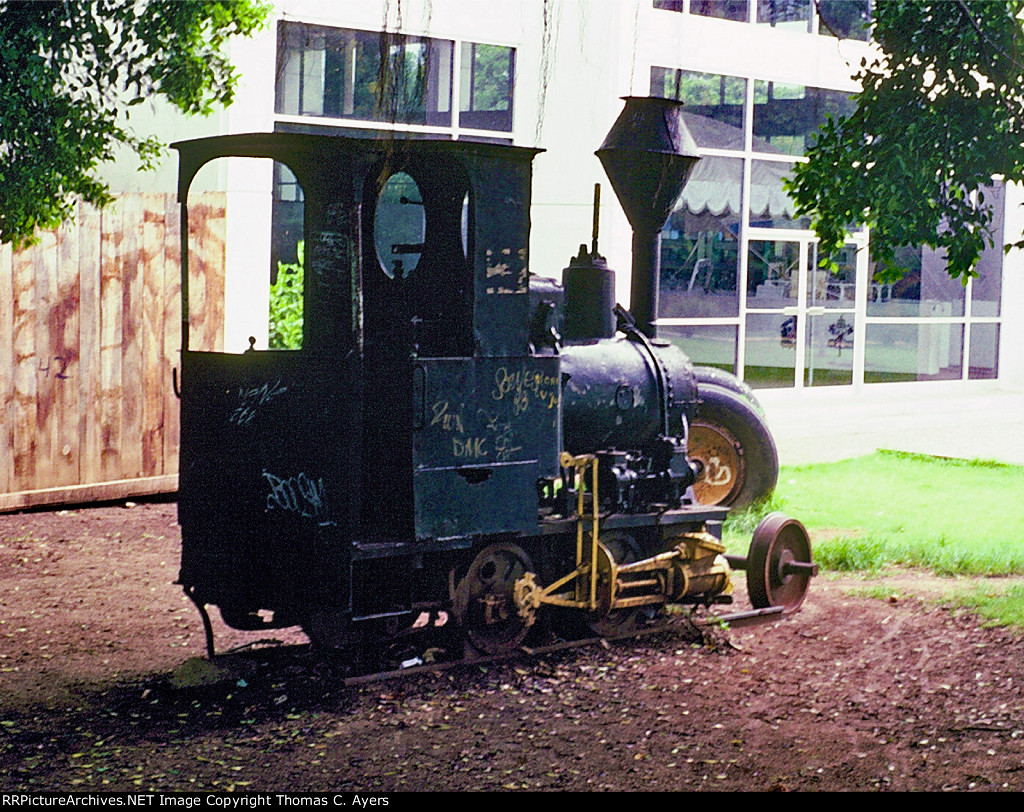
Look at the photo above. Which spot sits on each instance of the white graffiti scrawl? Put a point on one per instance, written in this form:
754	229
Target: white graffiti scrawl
298	494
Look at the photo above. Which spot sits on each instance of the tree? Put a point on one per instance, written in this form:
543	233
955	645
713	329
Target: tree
940	112
70	73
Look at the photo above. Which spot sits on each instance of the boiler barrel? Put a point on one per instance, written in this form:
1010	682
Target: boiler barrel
611	396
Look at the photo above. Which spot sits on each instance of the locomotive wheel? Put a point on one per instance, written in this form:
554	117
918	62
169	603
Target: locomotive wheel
726	380
733	443
777	542
624	550
485	602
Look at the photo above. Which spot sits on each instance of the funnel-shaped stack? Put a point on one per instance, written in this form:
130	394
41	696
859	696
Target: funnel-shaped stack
648	156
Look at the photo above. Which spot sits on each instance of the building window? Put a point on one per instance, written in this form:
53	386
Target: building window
723	9
488	72
787	117
844	19
793	15
742	272
392	78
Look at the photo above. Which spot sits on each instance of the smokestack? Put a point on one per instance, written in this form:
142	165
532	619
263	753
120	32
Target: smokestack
648	155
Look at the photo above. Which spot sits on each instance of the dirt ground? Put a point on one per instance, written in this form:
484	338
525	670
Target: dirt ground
852	693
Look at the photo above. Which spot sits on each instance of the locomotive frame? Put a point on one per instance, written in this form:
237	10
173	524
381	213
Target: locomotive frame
435	451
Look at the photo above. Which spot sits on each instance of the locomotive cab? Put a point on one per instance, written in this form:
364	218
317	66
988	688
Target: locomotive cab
412	418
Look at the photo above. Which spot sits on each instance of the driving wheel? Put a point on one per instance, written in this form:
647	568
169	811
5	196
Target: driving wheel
485	600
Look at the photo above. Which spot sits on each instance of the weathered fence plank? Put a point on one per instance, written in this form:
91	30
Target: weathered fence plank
89	333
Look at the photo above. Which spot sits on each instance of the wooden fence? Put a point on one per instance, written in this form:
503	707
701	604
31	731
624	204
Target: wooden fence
89	333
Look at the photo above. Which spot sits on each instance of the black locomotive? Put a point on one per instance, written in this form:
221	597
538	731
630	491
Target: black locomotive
457	444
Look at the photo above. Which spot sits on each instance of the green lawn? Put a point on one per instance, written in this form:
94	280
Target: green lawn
953	517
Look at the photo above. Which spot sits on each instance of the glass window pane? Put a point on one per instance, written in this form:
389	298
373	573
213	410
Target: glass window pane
834	289
700	245
787	117
828	360
723	9
399	226
770	350
925	289
714	104
487	78
669	5
913	352
341	74
770	205
846	19
984	351
773	274
711	345
987	287
794	15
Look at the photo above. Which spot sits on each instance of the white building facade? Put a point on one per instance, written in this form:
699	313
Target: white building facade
741	284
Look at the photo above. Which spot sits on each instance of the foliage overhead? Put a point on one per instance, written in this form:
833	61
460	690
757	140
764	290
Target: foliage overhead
940	112
69	74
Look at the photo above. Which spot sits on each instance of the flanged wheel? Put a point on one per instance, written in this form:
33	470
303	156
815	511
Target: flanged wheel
779	565
733	444
485	599
622	549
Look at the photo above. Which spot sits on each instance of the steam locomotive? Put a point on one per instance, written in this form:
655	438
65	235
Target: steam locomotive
458	443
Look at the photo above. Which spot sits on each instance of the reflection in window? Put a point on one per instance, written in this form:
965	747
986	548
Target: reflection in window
770	205
770	350
773	274
723	9
987	287
363	75
700	244
836	288
793	15
375	76
913	352
714	104
488	73
984	351
828	358
709	345
925	289
846	19
787	117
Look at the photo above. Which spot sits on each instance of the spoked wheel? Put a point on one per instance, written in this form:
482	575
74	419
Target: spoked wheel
623	549
779	566
485	601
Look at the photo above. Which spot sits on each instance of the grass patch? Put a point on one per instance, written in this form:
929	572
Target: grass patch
953	517
999	607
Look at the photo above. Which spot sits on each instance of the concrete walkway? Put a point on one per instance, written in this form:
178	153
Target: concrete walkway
830	425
